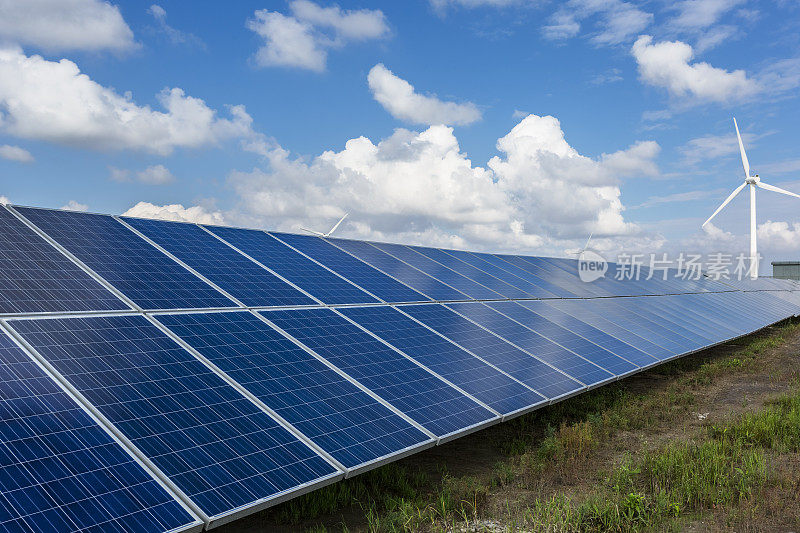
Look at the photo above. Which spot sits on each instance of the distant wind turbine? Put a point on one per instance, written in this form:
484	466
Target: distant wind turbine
319	234
579	252
753	181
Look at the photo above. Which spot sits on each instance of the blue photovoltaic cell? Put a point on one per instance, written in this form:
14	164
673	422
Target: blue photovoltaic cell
37	278
128	262
489	264
428	400
436	270
591	333
585	310
339	417
303	272
458	366
357	271
522	366
239	276
212	442
471	272
433	288
556	284
569	363
588	350
59	471
509	263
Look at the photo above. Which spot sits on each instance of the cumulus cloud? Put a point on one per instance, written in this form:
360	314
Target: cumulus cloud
302	39
779	235
176	213
58	25
669	65
152	175
54	101
15	153
421	187
175	36
617	21
399	98
4	200
73	205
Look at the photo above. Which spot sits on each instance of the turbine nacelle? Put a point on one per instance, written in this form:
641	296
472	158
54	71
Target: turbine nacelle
752	180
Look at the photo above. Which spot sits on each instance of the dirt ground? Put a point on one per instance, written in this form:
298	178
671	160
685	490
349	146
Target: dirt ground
696	406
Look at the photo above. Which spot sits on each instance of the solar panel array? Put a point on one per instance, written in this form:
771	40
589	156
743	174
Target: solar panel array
171	376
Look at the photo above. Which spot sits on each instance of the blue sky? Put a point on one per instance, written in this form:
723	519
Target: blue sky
486	124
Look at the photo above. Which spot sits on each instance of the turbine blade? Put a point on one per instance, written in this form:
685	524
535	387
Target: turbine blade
736	191
588	241
745	162
313	232
336	225
775	189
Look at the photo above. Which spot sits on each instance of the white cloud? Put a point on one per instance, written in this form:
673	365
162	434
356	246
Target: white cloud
420	187
57	25
4	200
442	5
54	101
302	39
15	153
715	146
176	213
174	35
779	235
72	205
699	14
618	21
668	65
400	99
687	196
152	175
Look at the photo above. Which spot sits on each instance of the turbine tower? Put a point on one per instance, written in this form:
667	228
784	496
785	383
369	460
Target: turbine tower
753	181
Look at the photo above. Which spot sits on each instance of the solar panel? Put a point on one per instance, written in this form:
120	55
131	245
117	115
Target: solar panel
562	336
544	379
471	272
60	471
240	277
128	262
433	288
584	309
338	416
557	284
303	272
482	262
424	397
215	445
500	263
572	364
614	345
438	271
458	366
355	270
37	278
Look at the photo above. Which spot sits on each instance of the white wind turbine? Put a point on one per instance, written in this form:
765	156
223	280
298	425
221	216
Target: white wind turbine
320	234
580	251
753	181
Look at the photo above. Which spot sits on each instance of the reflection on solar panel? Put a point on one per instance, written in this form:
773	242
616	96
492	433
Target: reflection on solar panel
128	262
544	349
339	417
240	277
409	275
427	399
59	471
231	411
436	270
544	379
484	382
469	271
360	273
306	274
213	443
37	278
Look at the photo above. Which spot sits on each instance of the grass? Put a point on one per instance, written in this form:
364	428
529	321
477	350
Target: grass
545	455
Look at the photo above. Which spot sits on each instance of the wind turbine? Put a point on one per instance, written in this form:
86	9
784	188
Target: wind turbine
753	181
580	252
319	234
